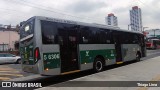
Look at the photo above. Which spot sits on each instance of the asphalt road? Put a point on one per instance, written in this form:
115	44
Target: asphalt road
151	52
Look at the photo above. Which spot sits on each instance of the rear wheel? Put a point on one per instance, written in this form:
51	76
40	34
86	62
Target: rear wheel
138	57
98	65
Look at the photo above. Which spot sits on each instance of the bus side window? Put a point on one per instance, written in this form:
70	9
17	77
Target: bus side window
49	32
135	39
105	36
84	35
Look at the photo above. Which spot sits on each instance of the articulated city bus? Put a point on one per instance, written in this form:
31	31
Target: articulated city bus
51	46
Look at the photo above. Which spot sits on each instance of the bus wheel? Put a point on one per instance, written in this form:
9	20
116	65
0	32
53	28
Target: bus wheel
98	65
138	57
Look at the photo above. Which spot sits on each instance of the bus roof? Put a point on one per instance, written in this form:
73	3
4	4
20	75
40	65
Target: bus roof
82	23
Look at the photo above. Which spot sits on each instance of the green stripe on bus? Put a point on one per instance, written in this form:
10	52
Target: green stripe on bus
88	56
51	60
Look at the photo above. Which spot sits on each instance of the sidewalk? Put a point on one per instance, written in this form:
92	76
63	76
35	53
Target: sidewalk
146	70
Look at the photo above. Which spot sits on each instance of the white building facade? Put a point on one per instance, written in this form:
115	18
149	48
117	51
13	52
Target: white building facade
136	19
111	20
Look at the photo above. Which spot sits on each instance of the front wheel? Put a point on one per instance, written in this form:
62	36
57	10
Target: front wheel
98	65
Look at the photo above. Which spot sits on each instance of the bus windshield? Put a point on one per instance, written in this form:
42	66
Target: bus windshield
27	29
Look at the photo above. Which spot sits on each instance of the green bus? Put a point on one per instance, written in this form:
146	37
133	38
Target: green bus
51	46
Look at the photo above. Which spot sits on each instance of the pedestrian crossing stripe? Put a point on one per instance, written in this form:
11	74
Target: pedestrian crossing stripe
4	78
3	74
7	73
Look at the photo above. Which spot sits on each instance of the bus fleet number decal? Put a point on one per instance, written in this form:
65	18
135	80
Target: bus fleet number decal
51	56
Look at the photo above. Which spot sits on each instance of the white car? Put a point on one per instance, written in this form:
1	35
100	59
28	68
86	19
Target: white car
9	58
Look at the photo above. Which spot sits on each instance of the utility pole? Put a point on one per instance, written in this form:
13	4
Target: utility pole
144	28
154	32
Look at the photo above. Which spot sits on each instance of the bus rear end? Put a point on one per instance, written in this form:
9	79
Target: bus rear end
149	45
29	53
153	43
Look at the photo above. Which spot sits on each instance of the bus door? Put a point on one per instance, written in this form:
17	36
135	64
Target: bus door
68	50
117	41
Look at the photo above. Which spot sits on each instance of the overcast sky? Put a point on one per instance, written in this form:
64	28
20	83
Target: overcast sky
92	11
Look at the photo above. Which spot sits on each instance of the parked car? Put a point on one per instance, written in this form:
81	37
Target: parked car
9	58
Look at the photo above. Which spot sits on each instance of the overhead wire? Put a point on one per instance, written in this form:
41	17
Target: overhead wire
49	10
147	6
58	10
8	12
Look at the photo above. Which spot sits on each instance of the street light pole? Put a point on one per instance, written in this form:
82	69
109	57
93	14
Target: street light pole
154	32
129	25
144	28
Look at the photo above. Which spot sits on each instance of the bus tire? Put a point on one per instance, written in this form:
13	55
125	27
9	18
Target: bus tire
138	56
98	65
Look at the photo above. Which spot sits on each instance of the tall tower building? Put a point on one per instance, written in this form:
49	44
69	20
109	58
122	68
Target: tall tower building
136	19
111	20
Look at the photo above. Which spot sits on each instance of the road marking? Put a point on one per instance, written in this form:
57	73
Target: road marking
19	75
4	78
7	73
157	78
6	68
